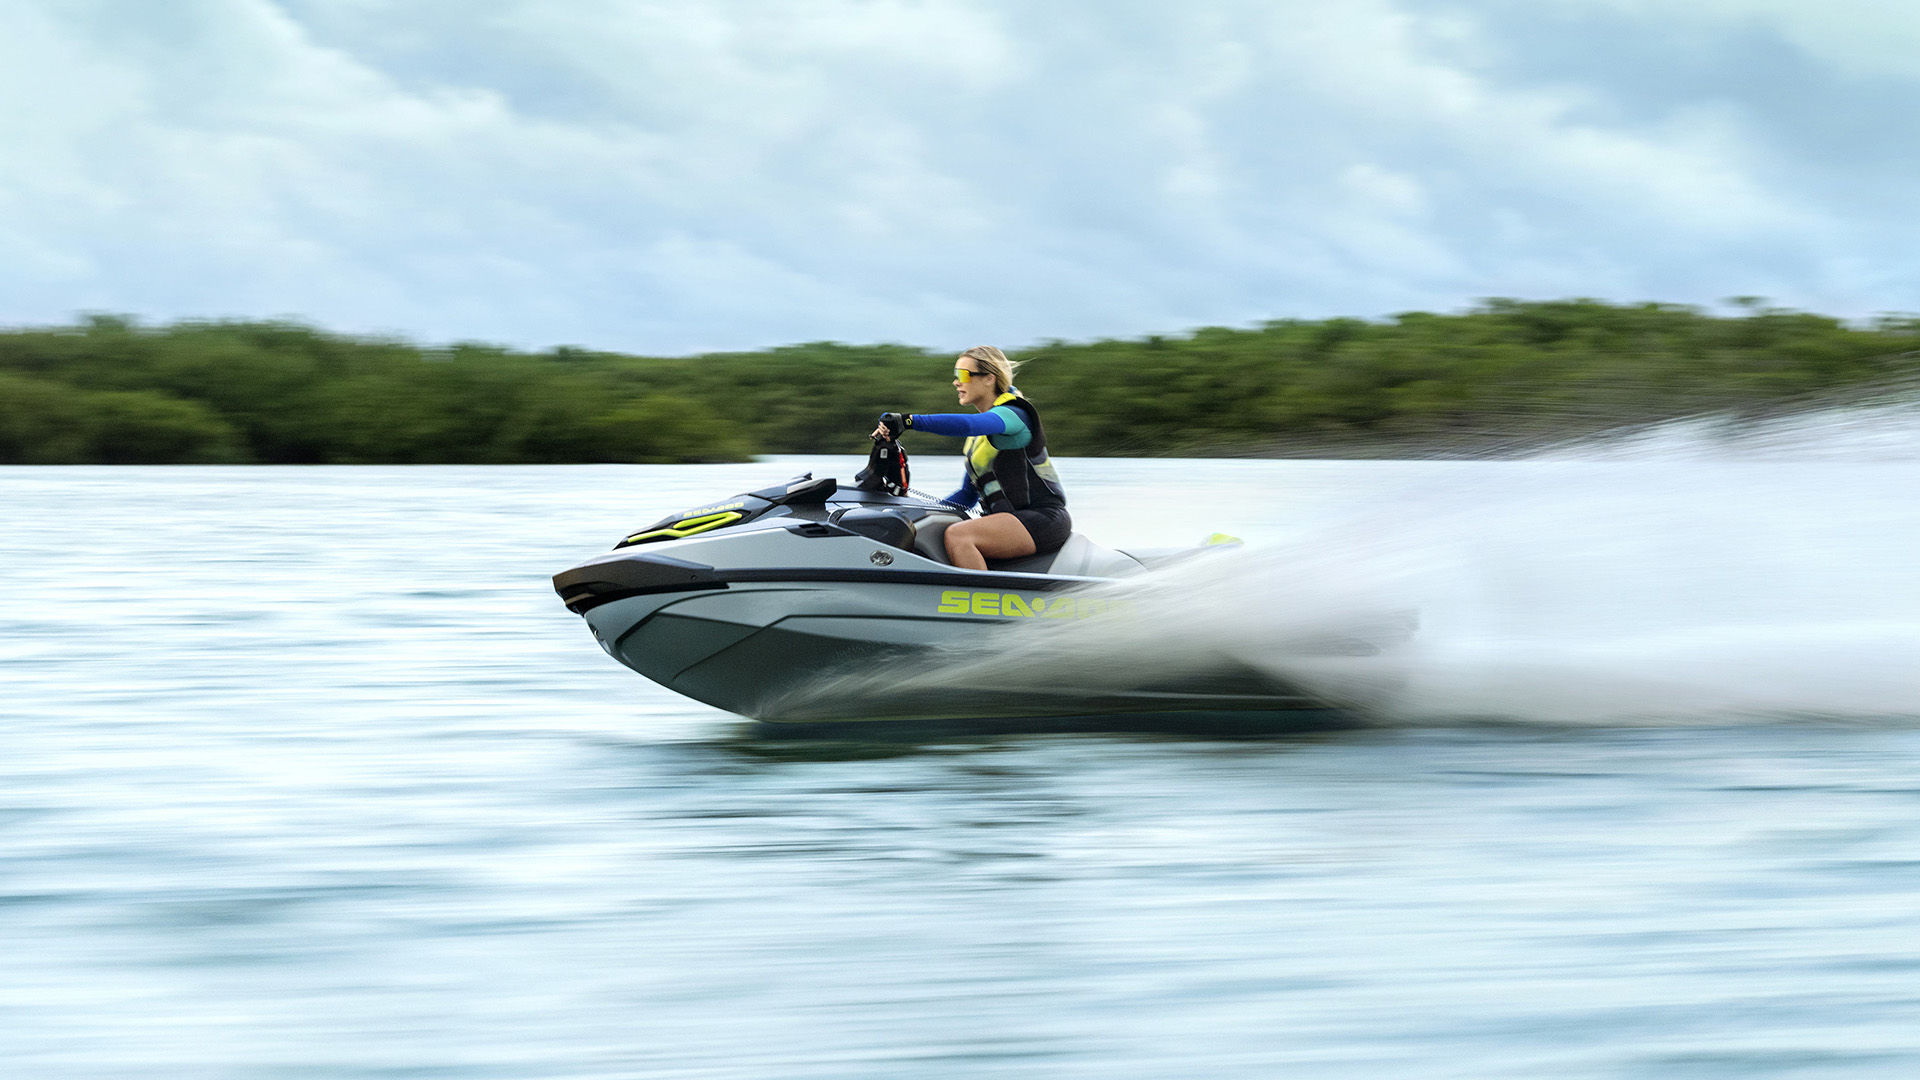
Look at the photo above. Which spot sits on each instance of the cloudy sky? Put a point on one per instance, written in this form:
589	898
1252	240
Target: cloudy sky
666	176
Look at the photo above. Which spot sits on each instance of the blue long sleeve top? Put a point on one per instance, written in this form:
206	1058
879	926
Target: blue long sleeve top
1002	425
999	420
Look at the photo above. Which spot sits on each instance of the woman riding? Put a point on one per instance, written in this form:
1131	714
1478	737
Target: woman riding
1008	471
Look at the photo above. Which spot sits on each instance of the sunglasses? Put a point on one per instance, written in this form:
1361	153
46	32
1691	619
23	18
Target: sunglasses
965	376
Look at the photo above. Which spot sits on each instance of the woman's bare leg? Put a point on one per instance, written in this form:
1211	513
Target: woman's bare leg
997	536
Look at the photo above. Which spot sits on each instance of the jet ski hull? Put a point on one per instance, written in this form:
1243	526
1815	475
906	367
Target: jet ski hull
745	647
795	621
777	651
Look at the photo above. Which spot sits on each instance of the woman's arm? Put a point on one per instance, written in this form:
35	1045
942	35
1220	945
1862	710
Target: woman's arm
999	420
965	497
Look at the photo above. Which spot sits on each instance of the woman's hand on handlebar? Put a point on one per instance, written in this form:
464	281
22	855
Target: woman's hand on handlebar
891	425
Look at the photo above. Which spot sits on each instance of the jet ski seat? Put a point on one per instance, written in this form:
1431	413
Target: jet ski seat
930	535
889	526
1078	556
926	536
921	532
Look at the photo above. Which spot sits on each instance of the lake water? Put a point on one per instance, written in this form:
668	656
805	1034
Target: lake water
307	773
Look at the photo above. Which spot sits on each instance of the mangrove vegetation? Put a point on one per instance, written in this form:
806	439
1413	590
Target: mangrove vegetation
1505	374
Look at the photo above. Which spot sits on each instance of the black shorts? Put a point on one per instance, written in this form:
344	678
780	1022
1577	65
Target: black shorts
1049	526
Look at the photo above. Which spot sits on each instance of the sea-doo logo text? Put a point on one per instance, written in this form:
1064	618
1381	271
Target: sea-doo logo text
959	602
705	510
881	558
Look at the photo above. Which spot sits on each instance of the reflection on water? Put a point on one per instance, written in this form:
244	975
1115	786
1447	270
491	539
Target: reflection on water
304	772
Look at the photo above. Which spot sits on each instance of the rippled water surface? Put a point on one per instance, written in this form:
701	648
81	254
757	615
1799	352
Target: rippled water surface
306	773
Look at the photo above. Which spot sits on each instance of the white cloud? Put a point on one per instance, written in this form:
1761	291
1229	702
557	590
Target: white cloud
672	176
1873	37
1366	61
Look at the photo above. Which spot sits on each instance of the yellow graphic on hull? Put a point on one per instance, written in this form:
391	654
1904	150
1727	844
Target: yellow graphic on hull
688	526
1014	605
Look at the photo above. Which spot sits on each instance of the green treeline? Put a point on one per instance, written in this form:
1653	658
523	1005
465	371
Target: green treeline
110	391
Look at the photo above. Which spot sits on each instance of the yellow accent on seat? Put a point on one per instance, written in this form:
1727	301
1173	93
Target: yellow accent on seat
1218	539
687	527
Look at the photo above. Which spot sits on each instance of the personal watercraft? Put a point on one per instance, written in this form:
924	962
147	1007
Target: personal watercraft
743	601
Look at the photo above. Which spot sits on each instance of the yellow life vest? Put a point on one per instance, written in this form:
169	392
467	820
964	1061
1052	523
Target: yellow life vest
1014	477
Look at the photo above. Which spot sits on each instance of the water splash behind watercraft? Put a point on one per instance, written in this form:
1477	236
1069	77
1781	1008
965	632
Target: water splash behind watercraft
1694	572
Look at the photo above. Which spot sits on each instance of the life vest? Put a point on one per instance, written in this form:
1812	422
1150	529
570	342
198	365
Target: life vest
1015	477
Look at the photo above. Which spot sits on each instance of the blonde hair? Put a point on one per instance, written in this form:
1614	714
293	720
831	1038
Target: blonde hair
996	362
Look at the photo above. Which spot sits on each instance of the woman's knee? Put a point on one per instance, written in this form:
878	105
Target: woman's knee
959	536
